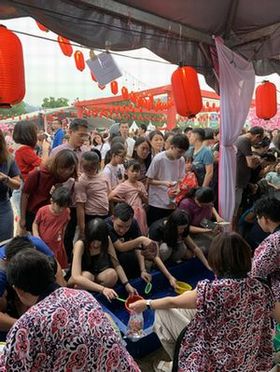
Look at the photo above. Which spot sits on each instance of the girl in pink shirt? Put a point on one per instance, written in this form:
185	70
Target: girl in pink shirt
51	221
91	191
133	192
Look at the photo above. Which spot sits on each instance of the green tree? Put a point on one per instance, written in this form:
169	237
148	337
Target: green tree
51	102
16	110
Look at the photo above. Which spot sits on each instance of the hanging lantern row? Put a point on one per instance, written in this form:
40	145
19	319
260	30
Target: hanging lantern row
104	112
266	100
146	101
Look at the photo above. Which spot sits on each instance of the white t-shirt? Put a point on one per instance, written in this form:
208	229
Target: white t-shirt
114	174
130	146
103	148
163	169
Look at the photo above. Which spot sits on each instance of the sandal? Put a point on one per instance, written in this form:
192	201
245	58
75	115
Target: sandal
162	366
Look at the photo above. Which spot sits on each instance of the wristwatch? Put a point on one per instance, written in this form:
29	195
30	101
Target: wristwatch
148	304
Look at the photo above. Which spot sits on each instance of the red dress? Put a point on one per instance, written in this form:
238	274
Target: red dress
51	230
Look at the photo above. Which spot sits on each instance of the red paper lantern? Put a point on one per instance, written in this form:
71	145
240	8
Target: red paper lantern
42	27
186	91
125	93
114	87
79	60
65	46
12	82
266	100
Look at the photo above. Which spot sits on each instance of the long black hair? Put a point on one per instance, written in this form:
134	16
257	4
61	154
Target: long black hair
177	218
139	142
96	229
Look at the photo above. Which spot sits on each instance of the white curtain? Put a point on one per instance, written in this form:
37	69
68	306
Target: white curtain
237	81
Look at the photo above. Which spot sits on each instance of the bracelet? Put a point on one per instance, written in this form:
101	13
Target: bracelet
102	290
143	271
125	284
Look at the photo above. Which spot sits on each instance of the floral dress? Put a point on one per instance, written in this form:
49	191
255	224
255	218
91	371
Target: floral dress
67	331
231	330
266	262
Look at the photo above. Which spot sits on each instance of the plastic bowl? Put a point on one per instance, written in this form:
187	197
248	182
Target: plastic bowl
182	287
130	300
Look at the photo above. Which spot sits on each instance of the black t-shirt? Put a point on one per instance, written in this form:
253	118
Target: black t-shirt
132	233
128	260
243	172
158	228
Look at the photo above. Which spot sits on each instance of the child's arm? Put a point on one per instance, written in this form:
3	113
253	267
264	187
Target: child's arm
197	251
120	271
154	182
81	218
144	275
186	300
114	196
164	270
59	278
143	193
35	229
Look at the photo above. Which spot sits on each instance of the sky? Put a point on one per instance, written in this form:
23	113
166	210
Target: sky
49	73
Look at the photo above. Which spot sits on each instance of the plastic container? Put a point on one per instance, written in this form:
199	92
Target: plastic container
130	300
182	287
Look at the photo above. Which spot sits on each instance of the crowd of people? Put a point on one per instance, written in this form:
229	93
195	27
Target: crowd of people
86	211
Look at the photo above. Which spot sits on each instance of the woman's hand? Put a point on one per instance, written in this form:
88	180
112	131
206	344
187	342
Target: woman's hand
130	290
138	306
172	282
219	219
3	177
109	293
146	276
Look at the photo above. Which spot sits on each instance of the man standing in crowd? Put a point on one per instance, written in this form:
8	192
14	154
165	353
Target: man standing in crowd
124	130
142	130
58	133
245	161
202	157
78	133
166	169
